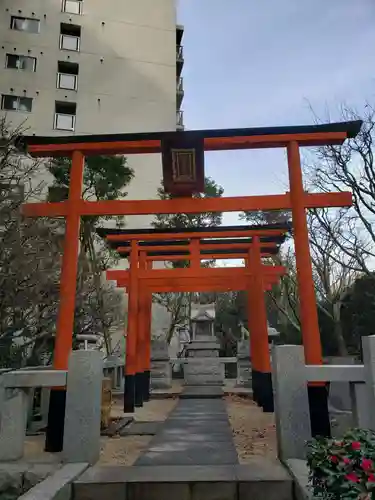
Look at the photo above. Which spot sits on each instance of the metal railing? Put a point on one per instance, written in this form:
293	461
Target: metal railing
180	85
180	118
180	52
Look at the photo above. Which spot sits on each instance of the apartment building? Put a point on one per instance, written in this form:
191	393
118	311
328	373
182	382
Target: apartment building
94	67
91	67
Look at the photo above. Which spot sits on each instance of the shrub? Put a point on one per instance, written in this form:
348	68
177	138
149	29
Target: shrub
343	468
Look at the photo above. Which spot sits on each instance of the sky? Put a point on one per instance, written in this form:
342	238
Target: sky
251	63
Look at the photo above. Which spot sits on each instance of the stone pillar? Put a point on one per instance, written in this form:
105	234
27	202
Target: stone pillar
243	364
339	392
13	421
83	405
292	414
161	369
368	349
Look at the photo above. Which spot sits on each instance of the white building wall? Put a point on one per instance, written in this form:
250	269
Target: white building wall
126	81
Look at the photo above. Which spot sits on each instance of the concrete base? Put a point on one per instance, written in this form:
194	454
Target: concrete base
56	419
260	479
139	390
319	414
57	486
300	473
129	394
263	391
146	386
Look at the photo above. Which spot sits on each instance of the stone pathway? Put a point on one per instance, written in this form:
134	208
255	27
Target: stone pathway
197	432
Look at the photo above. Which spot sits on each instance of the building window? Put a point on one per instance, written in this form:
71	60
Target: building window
70	37
67	75
25	24
16	103
72	6
65	115
25	63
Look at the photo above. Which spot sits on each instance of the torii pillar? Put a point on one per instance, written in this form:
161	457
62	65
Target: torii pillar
318	394
257	314
131	361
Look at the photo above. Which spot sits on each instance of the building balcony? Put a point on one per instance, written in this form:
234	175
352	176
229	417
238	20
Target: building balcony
179	59
180	92
180	120
179	33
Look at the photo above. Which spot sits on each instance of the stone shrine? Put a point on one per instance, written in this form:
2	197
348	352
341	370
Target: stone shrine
202	321
203	366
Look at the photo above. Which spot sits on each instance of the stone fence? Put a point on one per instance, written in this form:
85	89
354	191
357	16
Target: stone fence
290	378
83	382
161	367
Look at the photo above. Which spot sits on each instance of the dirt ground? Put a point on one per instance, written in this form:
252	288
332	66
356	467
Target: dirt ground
254	432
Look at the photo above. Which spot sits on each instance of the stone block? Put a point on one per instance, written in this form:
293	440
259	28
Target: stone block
243	349
339	392
161	374
83	407
270	490
300	473
37	473
158	491
203	353
97	491
361	417
11	480
368	349
244	375
13	422
214	491
292	412
57	486
159	350
204	371
35	378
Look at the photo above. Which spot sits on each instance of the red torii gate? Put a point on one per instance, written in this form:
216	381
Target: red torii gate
266	242
183	168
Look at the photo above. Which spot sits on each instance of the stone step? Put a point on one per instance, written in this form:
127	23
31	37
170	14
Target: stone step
259	479
202	392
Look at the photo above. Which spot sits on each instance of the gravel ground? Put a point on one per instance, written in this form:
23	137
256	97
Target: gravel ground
254	431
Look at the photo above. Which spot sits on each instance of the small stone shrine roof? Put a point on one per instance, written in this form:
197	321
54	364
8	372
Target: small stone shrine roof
203	312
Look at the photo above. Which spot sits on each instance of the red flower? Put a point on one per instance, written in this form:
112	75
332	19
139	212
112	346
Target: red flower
334	459
367	464
346	460
352	477
356	445
371	478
